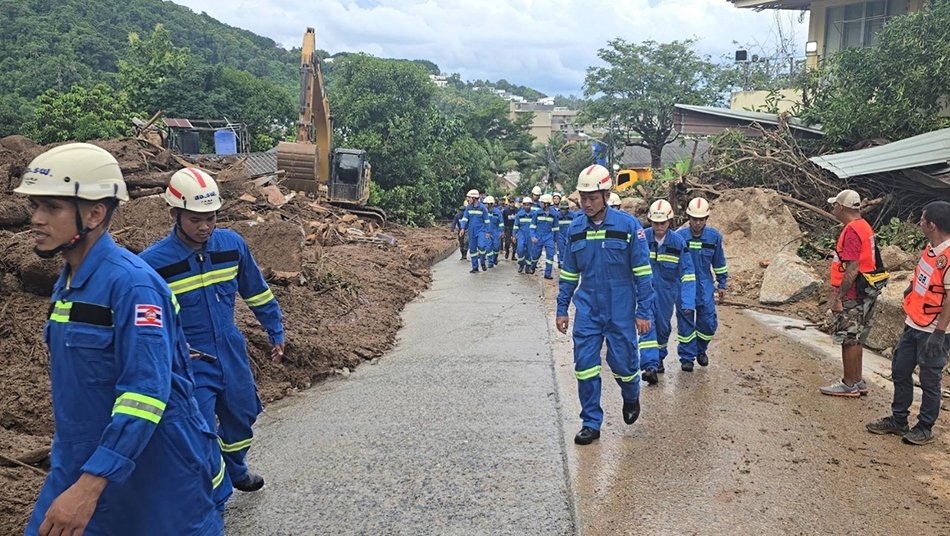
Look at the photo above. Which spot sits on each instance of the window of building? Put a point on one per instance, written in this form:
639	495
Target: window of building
857	25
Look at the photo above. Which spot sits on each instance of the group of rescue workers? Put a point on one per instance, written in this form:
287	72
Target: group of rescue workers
153	395
625	281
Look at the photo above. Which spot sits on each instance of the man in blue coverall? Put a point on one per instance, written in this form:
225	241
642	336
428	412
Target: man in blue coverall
205	268
524	249
607	273
496	224
675	284
565	217
475	222
709	262
544	227
131	452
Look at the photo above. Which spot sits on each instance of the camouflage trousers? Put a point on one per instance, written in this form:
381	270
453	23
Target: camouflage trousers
852	325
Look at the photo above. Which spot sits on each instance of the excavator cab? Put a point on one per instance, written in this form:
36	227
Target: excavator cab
349	182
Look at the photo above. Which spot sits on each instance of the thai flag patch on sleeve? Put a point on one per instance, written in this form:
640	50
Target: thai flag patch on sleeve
148	315
641	234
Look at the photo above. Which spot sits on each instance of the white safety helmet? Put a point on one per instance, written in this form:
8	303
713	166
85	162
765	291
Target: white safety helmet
536	190
660	211
546	198
594	178
80	170
489	200
526	200
614	200
698	208
193	190
472	193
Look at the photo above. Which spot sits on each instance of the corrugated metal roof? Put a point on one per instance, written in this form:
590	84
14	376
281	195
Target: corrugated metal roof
923	150
751	117
260	163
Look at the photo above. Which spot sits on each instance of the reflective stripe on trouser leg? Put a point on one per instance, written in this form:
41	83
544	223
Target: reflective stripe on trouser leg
549	255
686	348
587	370
663	306
706	324
624	360
649	349
237	410
523	250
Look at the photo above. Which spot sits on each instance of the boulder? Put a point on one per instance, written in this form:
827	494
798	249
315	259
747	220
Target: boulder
277	246
787	279
635	206
17	143
896	259
888	321
755	225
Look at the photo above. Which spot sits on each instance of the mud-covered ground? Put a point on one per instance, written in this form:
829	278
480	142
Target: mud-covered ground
341	283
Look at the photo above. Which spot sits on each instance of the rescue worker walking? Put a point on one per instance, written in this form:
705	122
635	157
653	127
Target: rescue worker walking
924	342
457	228
508	215
475	222
674	283
206	267
856	261
565	217
522	228
496	227
131	452
607	273
709	263
544	226
614	201
536	196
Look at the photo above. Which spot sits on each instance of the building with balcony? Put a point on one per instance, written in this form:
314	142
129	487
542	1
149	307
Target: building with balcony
548	119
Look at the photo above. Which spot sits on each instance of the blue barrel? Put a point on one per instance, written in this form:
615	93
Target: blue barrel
225	142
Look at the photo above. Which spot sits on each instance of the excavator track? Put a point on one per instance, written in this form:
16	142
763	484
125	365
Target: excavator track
375	214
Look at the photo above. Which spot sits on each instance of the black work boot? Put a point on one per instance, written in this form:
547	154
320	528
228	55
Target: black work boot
687	366
631	412
702	359
660	369
586	436
650	377
253	482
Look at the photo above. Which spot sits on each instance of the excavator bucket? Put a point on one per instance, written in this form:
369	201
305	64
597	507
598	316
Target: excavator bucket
299	163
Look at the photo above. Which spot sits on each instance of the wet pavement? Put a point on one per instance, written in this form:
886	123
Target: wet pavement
456	431
466	427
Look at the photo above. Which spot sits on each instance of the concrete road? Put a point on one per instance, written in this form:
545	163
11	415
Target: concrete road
456	431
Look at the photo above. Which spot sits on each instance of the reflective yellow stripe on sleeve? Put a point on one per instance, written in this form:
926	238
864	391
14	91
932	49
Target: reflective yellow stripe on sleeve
569	276
260	299
236	446
641	271
688	277
139	405
722	270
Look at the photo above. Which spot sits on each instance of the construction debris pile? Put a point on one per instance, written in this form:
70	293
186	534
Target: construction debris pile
341	282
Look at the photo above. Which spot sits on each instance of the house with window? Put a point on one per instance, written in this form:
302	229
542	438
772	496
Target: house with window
835	25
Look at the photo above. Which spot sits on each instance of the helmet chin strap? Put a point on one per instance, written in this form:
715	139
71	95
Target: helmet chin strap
79	236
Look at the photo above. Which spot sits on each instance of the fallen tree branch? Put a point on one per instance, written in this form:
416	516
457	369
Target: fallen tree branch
14	461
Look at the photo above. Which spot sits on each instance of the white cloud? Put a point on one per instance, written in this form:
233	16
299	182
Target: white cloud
545	44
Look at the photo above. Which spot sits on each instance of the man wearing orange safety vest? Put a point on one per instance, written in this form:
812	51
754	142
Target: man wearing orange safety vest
924	342
856	279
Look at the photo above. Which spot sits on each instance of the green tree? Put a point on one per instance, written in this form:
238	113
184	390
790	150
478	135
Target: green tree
894	90
641	83
79	114
148	66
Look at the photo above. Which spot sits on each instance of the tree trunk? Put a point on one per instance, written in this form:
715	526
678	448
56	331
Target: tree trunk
656	153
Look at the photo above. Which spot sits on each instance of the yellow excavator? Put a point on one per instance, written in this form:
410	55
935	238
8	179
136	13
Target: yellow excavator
311	163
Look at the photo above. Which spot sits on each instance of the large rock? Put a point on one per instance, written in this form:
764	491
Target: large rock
756	226
635	206
787	279
896	259
888	322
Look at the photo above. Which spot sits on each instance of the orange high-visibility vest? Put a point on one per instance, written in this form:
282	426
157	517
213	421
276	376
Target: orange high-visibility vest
866	264
927	294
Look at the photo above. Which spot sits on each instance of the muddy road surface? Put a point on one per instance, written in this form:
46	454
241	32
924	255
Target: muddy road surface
467	426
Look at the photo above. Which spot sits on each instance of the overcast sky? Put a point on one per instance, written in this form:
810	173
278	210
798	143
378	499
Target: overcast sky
544	44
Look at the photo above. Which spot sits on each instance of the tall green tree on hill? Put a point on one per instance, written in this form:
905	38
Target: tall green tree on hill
634	93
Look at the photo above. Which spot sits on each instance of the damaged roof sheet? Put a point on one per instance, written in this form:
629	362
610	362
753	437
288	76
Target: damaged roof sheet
931	149
739	116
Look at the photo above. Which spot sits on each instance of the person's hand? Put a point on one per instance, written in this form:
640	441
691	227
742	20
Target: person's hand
722	294
837	306
687	312
194	354
933	347
71	511
461	233
561	323
277	353
643	326
534	240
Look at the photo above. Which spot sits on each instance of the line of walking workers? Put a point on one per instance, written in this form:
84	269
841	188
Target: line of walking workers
153	396
625	281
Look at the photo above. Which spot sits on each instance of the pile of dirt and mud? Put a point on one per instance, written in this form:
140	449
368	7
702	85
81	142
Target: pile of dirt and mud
341	282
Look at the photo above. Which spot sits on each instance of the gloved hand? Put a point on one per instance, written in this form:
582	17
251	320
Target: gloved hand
933	347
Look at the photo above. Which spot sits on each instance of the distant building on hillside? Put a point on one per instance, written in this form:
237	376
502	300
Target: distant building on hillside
548	119
439	80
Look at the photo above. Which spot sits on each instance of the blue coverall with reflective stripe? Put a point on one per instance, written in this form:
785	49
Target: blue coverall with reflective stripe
674	282
563	224
206	283
122	402
496	224
522	230
475	221
607	273
544	225
709	262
